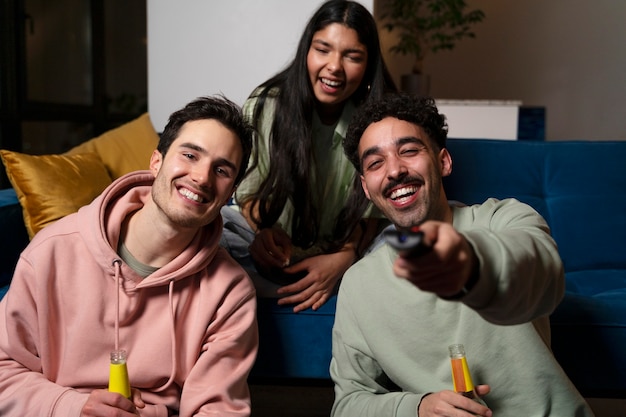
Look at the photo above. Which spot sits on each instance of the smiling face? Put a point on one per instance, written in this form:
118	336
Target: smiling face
402	172
336	62
197	175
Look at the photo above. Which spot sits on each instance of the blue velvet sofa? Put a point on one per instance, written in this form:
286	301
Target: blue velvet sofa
578	186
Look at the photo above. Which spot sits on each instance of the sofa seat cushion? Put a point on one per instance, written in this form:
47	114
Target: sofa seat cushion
596	283
589	331
294	345
595	298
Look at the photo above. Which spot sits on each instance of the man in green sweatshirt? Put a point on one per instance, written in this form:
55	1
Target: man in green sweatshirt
489	280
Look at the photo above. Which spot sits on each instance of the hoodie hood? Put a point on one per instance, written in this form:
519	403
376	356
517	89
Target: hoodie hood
124	196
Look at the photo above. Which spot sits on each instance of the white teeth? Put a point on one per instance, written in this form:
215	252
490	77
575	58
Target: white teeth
192	196
331	83
402	192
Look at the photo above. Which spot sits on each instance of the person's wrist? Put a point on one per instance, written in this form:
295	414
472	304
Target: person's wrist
353	250
469	285
420	403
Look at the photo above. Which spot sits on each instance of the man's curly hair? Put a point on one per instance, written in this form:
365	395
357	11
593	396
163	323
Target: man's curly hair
420	111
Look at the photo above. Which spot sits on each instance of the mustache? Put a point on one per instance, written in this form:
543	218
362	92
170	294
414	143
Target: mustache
393	183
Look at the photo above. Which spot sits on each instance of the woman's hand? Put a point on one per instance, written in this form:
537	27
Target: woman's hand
271	248
322	274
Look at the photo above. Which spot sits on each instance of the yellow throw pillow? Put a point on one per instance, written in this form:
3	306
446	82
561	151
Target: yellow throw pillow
49	187
124	149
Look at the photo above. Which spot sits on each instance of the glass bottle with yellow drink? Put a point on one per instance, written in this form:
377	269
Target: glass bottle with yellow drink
118	374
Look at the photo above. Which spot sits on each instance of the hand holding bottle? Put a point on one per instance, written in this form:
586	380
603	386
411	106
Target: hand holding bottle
461	377
104	402
466	397
450	403
119	396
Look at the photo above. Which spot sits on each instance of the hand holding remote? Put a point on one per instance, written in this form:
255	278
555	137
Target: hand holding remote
409	243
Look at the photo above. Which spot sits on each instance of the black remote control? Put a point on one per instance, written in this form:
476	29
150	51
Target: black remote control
409	243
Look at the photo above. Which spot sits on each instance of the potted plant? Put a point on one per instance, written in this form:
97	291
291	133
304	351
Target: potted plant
427	26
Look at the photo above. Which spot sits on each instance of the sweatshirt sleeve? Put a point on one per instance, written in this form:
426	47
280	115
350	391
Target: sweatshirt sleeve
217	383
521	273
21	368
362	389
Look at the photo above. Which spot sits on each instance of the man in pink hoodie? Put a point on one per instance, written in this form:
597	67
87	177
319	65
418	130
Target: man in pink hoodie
140	270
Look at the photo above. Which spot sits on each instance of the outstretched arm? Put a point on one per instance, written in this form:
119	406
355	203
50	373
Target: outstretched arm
498	259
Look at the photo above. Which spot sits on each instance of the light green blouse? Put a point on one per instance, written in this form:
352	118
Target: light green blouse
332	171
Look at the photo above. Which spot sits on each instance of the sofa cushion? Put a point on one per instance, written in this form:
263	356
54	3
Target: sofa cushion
124	149
52	186
498	169
49	187
569	183
586	213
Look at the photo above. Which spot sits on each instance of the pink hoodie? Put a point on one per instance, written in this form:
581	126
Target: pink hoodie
189	328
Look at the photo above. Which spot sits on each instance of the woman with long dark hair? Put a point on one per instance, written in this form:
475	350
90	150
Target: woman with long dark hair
303	199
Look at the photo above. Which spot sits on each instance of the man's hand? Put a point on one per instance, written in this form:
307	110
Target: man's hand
444	270
452	404
102	403
323	272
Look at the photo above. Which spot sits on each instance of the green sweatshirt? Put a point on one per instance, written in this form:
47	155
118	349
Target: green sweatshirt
390	339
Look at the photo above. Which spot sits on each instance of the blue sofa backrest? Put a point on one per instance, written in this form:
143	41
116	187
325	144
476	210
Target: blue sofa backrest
578	186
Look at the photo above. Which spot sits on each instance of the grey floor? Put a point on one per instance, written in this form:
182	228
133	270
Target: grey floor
295	401
316	401
608	407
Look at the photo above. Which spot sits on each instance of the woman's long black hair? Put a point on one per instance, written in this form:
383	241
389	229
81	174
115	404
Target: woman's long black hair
291	138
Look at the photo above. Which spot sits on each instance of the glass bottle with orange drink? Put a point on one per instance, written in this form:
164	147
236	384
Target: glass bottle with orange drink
461	377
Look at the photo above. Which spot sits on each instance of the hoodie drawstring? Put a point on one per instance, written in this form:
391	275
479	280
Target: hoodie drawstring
173	339
118	265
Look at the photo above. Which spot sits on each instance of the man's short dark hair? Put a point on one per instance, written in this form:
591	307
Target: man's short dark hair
420	111
217	108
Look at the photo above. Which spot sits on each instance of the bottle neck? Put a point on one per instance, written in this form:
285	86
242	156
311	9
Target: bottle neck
118	356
